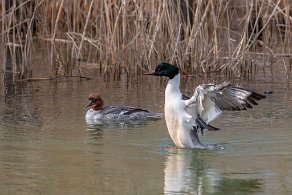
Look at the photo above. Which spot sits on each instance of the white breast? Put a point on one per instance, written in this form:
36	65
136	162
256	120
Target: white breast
179	122
92	115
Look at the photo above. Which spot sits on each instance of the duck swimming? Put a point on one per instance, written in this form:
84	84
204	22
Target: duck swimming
187	117
99	112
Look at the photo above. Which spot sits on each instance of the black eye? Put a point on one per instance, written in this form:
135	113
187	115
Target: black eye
92	100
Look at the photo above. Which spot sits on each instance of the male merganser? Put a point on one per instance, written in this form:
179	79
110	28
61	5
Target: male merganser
98	112
186	117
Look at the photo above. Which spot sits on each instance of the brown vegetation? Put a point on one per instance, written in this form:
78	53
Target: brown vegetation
235	37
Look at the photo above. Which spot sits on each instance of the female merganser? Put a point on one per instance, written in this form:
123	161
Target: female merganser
186	117
98	112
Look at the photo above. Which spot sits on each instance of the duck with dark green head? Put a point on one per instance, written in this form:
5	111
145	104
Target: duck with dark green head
187	118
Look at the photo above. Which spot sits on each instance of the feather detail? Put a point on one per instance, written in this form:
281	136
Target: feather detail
211	100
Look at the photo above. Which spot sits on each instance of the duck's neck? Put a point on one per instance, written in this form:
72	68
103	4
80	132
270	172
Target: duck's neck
172	87
97	107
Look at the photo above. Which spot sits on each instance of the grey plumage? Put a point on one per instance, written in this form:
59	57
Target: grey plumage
233	98
210	100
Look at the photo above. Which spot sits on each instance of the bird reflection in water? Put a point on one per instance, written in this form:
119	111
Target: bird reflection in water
187	172
96	128
116	124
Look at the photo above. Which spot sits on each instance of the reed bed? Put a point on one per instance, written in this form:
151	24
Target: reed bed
235	38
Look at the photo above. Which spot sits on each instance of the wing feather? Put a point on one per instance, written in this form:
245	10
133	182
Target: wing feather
124	110
210	100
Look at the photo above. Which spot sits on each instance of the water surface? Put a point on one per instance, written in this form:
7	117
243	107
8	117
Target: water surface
47	148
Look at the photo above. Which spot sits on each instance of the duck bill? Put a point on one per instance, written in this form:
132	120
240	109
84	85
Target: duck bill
151	73
89	104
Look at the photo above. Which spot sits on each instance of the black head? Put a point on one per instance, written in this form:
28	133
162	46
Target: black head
165	69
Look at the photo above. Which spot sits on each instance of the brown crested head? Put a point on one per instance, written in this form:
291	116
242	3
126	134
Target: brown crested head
95	101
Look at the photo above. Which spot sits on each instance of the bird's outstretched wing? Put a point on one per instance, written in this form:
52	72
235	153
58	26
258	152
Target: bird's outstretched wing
210	100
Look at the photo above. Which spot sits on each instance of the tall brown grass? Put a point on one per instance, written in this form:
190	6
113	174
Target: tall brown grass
235	38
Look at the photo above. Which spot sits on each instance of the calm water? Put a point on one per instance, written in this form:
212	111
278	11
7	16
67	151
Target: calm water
47	148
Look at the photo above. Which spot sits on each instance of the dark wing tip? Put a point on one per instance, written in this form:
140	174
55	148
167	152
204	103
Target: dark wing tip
257	96
184	97
131	110
204	125
246	100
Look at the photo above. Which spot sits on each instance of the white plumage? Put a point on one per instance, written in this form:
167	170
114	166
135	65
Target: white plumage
186	117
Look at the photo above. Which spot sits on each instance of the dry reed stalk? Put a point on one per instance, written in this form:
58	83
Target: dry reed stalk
83	35
131	36
160	13
57	20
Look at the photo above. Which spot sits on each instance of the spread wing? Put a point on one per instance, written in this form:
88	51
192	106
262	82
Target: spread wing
210	100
